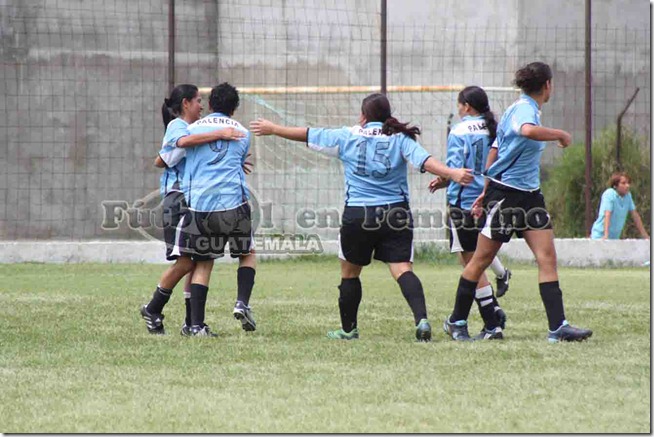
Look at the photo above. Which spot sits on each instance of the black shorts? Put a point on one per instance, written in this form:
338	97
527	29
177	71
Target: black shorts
509	210
386	230
174	209
464	230
205	234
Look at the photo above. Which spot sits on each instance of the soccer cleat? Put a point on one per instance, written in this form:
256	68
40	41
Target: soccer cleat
500	316
185	331
490	334
154	322
423	331
243	313
457	330
567	332
503	283
339	334
202	331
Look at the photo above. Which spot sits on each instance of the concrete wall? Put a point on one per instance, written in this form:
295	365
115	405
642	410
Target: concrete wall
82	83
571	252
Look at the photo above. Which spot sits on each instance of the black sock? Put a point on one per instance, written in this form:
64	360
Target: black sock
553	301
160	298
465	295
348	302
198	303
414	295
245	279
484	298
187	302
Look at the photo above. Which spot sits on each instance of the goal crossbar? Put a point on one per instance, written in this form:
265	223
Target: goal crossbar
358	89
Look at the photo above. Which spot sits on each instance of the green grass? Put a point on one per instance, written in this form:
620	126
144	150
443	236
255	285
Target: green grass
75	356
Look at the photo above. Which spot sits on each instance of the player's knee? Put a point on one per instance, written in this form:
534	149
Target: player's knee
184	264
546	257
398	269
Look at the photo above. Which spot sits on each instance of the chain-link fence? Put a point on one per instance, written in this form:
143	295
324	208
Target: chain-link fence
83	84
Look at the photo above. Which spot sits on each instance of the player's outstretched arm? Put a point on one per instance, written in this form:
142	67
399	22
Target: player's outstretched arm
227	134
540	133
261	126
461	176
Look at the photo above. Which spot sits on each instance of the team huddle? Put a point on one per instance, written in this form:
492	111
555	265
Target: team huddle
491	174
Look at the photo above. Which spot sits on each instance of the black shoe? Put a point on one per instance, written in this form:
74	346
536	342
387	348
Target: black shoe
423	331
243	313
457	330
500	316
490	334
185	331
154	322
202	331
503	283
567	332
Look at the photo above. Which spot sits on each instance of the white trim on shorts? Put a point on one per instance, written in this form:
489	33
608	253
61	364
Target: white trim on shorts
486	231
456	243
341	255
411	259
178	233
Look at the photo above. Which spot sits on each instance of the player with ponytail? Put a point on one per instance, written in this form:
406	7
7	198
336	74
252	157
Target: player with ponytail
468	145
179	110
376	218
513	203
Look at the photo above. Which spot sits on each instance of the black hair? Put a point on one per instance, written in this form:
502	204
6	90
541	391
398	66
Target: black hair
224	98
532	77
376	107
478	99
172	107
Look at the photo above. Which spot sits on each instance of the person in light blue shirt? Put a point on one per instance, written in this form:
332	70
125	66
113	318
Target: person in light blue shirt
615	205
184	106
219	213
468	145
518	161
513	203
376	218
215	178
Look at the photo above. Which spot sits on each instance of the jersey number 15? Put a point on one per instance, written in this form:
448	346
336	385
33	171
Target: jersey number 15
380	156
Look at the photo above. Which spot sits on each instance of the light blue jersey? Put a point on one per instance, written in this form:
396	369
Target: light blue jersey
214	179
374	163
468	145
619	207
518	157
173	156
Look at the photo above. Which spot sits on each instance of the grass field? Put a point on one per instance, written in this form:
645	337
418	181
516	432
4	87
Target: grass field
75	356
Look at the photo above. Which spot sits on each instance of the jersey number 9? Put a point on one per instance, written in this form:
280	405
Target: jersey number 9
220	147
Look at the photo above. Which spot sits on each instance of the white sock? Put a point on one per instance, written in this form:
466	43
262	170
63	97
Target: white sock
497	267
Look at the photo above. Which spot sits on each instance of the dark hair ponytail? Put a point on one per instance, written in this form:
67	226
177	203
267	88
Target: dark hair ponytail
376	107
477	98
172	106
532	77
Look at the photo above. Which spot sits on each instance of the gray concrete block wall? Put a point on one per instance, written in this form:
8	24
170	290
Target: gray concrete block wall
82	84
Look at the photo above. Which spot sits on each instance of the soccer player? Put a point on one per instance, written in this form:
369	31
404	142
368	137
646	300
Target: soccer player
217	197
616	202
468	145
183	107
376	218
514	203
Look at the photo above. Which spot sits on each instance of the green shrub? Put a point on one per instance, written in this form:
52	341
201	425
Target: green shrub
563	182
